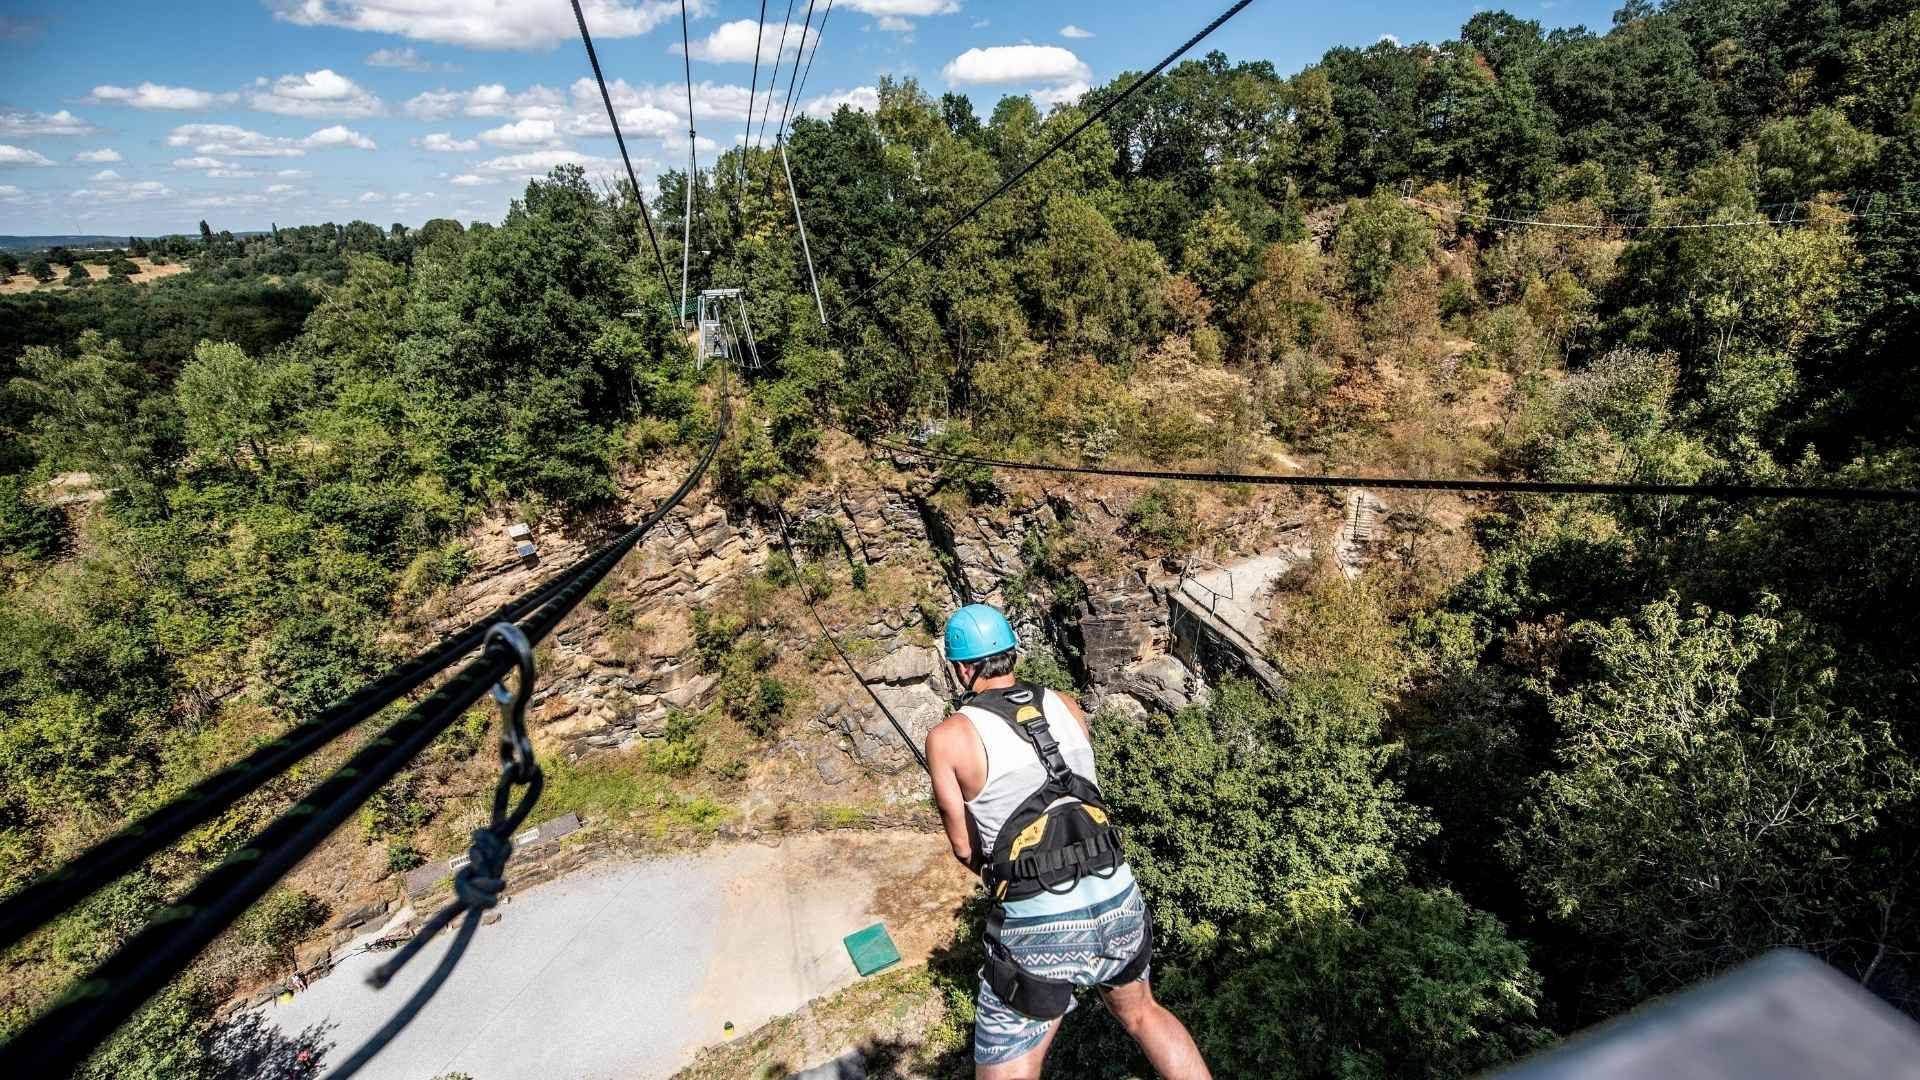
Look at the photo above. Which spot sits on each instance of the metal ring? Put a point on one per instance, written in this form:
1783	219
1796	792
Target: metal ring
516	749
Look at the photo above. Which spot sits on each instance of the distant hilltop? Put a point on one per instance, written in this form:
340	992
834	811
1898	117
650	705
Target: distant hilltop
37	243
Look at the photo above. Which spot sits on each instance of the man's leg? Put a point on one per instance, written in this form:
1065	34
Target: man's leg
1160	1033
1026	1066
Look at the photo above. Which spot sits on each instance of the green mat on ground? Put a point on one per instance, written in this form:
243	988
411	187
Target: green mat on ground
871	949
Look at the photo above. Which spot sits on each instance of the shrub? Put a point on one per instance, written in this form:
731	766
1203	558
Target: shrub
402	857
1162	519
27	526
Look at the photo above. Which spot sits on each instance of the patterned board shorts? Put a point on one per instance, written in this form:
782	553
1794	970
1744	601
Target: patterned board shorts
1087	947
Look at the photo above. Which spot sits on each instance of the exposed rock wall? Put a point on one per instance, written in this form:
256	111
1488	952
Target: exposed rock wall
619	667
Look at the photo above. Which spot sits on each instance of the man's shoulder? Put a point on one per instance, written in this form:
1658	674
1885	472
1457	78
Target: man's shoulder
953	727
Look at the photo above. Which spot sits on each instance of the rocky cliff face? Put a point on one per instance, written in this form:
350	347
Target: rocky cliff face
620	665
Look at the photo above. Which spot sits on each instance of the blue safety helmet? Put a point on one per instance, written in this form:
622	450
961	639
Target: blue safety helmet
978	631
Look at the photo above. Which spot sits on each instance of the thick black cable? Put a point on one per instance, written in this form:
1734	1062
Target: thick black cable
1390	483
912	747
793	80
774	79
64	1035
47	897
753	86
817	32
1010	181
640	197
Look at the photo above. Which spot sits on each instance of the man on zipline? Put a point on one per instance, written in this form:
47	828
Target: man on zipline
1014	776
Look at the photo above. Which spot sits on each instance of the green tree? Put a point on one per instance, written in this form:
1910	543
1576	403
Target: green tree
232	403
1711	798
41	269
1397	981
1377	236
96	411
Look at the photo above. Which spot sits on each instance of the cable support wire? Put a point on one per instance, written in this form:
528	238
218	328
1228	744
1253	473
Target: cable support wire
693	165
753	87
808	73
58	1040
1392	483
1010	181
1628	224
773	81
793	79
639	196
899	729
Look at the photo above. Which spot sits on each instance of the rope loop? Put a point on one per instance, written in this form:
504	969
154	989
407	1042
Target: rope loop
479	884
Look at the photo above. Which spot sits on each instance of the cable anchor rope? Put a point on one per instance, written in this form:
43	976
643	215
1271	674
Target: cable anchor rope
478	885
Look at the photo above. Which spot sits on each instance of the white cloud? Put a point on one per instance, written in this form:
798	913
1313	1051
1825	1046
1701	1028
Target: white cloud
524	133
228	139
14	155
893	24
372	197
234	174
492	99
105	174
914	8
1006	64
733	42
103	156
472	180
8	191
122	191
1064	94
248	199
281	189
316	94
406	60
293	174
982	24
862	98
202	162
26	125
711	101
154	96
498	24
537	163
444	142
340	136
1072	31
1390	39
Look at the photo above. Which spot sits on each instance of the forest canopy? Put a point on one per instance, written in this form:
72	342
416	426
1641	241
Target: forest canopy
1600	749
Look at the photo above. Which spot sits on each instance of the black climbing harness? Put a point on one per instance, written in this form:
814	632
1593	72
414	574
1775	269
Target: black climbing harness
1060	834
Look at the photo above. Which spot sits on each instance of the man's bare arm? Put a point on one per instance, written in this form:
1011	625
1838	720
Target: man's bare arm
942	748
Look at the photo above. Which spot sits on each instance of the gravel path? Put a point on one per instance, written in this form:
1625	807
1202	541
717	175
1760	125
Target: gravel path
626	970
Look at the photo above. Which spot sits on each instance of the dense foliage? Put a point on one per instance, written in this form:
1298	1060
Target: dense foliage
1594	751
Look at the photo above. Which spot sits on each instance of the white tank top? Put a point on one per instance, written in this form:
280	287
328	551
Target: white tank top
1014	771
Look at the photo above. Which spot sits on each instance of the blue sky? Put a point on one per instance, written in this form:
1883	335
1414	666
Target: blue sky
121	117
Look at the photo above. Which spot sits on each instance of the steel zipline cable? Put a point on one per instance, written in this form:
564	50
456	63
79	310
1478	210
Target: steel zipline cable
1007	184
773	81
65	1034
899	729
1833	493
753	88
639	196
793	78
817	32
